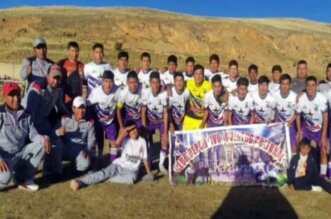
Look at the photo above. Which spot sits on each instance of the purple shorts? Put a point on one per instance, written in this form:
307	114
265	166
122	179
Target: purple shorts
136	121
212	125
313	136
152	127
111	131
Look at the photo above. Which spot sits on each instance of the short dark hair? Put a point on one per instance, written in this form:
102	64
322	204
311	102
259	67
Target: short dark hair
285	76
198	66
190	59
328	66
73	44
302	62
108	75
216	78
178	74
172	58
311	78
253	67
133	75
154	75
276	68
233	62
214	57
304	142
97	45
145	54
123	54
242	82
263	79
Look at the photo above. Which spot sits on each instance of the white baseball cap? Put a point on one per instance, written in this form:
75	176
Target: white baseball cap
78	102
38	41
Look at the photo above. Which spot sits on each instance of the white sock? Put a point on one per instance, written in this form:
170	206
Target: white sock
316	189
163	156
323	169
329	165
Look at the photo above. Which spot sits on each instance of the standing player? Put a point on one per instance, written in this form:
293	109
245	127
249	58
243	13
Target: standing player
188	74
230	81
253	72
214	62
299	83
312	119
195	105
129	102
167	77
325	85
155	114
93	71
240	105
121	72
275	83
102	101
285	107
263	102
178	97
216	102
145	70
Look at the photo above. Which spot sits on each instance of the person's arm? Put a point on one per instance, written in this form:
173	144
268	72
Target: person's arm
26	69
324	130
229	118
60	127
35	137
251	120
119	109
143	116
60	104
204	119
91	140
298	123
33	102
122	135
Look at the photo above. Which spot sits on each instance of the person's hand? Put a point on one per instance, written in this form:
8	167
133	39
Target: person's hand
3	166
86	155
203	125
62	131
47	145
28	70
289	123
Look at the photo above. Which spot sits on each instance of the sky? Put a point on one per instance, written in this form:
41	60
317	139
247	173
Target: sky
316	10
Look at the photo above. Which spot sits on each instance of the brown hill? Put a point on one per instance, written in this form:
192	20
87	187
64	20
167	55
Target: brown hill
262	41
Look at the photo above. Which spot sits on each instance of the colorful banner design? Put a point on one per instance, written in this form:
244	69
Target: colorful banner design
236	155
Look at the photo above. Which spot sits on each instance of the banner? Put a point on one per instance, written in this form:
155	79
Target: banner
236	155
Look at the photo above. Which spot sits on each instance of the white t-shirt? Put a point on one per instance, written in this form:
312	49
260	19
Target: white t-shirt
302	166
144	78
167	78
186	77
216	111
105	105
312	111
229	84
273	87
264	108
154	105
134	152
131	102
177	103
324	88
241	109
93	73
253	87
209	75
120	79
285	107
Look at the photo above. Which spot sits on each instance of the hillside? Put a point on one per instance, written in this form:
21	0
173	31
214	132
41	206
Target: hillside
261	41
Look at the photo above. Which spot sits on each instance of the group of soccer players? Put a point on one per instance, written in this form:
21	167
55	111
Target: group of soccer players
122	101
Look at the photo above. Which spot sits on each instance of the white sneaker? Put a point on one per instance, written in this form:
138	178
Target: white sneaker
163	169
316	189
29	185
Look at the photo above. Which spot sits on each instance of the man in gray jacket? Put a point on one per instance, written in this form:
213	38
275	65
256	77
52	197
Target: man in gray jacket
19	160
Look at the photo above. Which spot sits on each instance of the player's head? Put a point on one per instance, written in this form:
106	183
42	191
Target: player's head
217	84
328	72
253	71
73	50
304	146
132	129
40	48
198	74
242	85
145	59
107	81
276	72
285	83
214	62
302	69
172	63
79	108
263	85
233	69
98	54
132	81
311	86
123	60
12	95
155	81
54	76
179	81
189	65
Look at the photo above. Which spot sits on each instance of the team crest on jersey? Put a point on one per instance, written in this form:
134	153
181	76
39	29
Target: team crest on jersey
316	108
246	105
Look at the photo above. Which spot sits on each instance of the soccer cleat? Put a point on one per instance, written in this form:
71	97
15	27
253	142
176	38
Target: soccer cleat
163	169
29	185
316	189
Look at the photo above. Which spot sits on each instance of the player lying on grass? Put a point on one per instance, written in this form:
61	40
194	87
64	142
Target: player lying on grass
125	168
